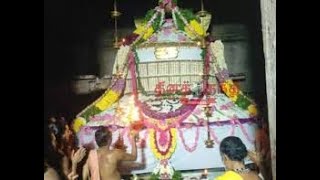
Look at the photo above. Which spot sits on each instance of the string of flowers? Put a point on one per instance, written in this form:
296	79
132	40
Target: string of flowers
145	32
174	17
114	90
193	27
167	153
121	59
102	103
162	17
226	83
244	131
214	136
194	146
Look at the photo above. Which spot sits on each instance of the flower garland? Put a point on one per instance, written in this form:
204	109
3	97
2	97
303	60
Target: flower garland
150	25
194	146
188	23
171	144
174	17
226	84
214	136
234	123
245	132
106	100
121	59
78	123
163	115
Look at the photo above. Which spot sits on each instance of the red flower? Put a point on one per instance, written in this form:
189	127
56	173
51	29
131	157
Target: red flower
137	126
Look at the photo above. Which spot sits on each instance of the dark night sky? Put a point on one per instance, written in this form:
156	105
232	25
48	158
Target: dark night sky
76	24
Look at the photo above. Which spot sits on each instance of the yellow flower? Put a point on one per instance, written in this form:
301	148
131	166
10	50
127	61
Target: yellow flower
152	143
190	34
148	33
78	123
253	110
224	87
141	30
234	98
102	105
194	27
197	27
107	100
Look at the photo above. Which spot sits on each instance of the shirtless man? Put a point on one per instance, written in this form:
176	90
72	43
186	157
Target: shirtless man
102	164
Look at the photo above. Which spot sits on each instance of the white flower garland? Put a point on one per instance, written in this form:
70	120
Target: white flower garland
217	49
174	17
162	16
121	58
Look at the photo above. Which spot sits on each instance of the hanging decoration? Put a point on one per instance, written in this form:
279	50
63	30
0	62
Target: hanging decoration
226	83
105	101
195	144
163	143
78	123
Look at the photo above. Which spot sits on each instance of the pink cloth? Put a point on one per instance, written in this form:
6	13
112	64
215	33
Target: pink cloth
94	165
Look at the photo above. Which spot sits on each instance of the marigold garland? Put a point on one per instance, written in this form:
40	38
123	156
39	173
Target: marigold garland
107	100
154	147
78	123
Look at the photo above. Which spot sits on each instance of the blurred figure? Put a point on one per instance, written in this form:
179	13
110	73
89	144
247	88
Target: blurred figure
49	172
51	165
262	156
76	158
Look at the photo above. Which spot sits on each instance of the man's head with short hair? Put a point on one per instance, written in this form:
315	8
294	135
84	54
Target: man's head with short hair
233	148
103	136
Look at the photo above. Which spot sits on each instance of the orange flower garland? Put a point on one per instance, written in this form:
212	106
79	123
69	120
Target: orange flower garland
236	96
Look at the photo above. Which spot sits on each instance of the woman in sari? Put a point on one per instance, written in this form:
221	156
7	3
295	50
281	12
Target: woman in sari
233	152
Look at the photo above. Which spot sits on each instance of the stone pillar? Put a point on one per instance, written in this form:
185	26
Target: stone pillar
268	15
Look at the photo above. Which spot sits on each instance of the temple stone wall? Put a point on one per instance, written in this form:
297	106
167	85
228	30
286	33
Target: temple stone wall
268	15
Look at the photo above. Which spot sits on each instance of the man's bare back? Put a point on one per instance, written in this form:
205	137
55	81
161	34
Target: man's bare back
103	162
108	163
